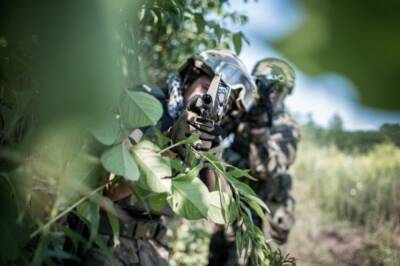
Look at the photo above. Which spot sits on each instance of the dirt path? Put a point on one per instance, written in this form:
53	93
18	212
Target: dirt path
316	240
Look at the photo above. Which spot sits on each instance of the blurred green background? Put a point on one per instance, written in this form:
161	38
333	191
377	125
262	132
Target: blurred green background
358	39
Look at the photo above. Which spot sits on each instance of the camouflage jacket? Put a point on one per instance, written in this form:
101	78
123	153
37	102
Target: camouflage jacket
267	152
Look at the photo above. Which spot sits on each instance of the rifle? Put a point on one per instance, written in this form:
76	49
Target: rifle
265	88
213	105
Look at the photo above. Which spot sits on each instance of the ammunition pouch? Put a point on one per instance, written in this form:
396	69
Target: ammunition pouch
136	228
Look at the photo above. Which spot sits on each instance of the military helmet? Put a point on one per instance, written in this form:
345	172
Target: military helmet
277	70
231	69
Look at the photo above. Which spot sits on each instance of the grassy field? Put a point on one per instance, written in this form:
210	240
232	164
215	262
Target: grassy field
348	209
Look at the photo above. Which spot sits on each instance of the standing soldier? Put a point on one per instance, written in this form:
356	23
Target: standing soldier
265	141
142	232
273	145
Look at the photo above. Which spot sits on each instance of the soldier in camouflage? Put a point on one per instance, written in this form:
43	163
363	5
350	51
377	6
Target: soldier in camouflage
142	230
265	141
273	145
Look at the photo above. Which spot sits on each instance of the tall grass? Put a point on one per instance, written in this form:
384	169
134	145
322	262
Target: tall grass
361	188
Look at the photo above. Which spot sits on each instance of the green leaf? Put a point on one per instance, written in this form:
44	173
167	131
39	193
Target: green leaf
200	23
155	168
177	165
115	226
190	175
158	201
221	212
90	211
105	250
119	161
256	208
190	199
214	160
107	130
161	140
237	41
218	32
258	201
238	173
139	109
243	188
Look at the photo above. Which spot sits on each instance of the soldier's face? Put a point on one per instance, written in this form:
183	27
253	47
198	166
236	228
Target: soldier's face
198	87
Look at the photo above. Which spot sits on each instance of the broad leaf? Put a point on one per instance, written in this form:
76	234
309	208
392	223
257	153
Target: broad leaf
219	214
158	201
119	161
107	130
156	169
139	109
190	199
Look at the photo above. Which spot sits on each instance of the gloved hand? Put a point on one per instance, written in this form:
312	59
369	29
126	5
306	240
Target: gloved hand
192	122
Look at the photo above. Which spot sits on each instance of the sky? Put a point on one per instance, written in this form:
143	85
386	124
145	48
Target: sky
321	96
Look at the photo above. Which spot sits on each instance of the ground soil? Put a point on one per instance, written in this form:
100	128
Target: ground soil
317	239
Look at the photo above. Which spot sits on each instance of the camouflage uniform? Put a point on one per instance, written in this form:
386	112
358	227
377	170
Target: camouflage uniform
141	237
268	152
269	161
141	242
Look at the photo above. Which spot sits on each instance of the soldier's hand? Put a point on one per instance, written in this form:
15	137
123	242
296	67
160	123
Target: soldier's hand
190	122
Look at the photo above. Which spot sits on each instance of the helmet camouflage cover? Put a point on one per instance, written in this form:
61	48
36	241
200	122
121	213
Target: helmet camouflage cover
232	70
278	70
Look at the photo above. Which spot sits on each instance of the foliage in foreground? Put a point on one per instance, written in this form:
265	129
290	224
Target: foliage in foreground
67	116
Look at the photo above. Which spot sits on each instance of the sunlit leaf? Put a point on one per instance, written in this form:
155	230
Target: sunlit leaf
190	175
156	170
190	199
216	213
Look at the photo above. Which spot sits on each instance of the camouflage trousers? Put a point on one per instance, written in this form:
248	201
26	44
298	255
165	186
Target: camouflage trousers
132	252
141	243
277	225
275	192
